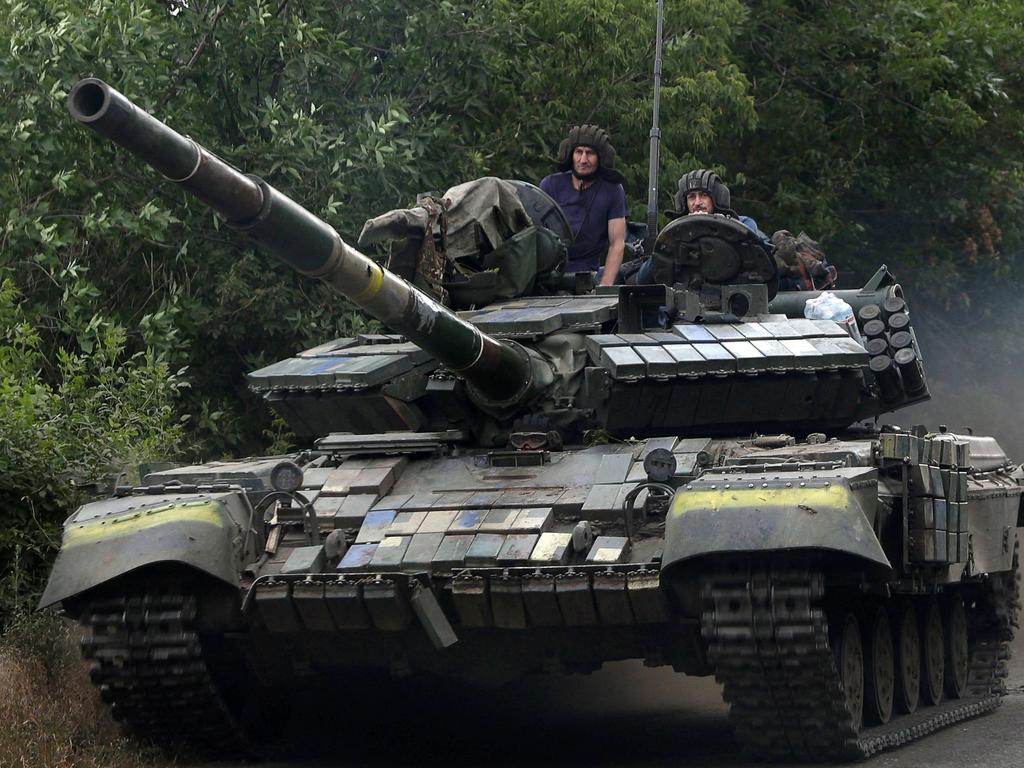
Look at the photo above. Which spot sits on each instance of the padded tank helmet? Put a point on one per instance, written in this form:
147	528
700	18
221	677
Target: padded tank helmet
596	138
702	180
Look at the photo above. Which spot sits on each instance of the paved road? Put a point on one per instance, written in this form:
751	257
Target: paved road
624	715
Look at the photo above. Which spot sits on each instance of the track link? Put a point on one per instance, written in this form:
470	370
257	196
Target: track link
148	664
768	638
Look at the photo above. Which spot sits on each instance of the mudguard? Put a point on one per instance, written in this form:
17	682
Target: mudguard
109	538
733	510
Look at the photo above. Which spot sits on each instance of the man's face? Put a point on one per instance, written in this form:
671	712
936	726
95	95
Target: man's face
699	201
584	162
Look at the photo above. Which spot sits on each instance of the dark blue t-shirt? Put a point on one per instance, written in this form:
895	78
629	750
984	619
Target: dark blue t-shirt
588	211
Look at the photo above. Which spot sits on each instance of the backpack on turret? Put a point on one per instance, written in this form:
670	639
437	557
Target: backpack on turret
802	263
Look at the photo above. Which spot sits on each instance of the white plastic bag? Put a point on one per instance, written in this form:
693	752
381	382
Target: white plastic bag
828	306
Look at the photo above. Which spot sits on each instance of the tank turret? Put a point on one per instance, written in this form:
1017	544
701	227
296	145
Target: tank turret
711	350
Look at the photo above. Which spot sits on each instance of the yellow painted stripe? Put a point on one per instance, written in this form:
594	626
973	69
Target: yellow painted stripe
371	290
205	512
835	496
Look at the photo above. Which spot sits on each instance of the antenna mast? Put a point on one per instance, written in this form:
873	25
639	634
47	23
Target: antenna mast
652	171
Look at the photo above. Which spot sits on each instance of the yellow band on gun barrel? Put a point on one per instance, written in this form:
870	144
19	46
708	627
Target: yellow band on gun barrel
371	290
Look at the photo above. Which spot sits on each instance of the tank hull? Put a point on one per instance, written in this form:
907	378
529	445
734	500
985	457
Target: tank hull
757	563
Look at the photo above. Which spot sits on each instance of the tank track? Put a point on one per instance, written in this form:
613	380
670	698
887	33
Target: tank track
767	634
148	664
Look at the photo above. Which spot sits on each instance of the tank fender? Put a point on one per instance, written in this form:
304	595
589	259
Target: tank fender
109	538
721	512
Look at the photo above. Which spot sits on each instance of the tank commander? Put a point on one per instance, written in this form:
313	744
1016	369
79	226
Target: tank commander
702	191
589	191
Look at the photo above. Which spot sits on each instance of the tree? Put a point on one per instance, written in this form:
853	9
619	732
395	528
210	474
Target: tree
889	130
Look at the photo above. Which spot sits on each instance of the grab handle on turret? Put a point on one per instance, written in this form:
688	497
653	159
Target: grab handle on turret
501	374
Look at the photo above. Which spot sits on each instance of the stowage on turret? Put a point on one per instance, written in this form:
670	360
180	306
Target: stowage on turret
690	473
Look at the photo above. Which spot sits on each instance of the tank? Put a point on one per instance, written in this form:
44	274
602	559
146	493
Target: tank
689	473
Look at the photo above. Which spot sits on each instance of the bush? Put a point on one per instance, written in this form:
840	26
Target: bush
44	638
70	420
52	715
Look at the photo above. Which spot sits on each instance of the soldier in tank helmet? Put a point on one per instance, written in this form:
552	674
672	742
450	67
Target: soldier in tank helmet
702	192
589	191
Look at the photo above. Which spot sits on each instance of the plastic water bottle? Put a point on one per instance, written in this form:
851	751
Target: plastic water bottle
828	306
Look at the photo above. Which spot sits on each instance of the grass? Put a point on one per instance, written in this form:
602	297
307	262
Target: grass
51	714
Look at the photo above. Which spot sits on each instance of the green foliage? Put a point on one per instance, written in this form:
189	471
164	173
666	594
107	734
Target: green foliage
93	413
43	636
890	130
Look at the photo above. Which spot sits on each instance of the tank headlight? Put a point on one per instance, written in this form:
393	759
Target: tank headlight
286	476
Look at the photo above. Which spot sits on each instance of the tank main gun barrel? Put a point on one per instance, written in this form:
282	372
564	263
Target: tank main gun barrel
502	373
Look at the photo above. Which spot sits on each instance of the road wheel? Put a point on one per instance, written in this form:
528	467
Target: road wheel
908	659
957	651
879	678
933	650
849	656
